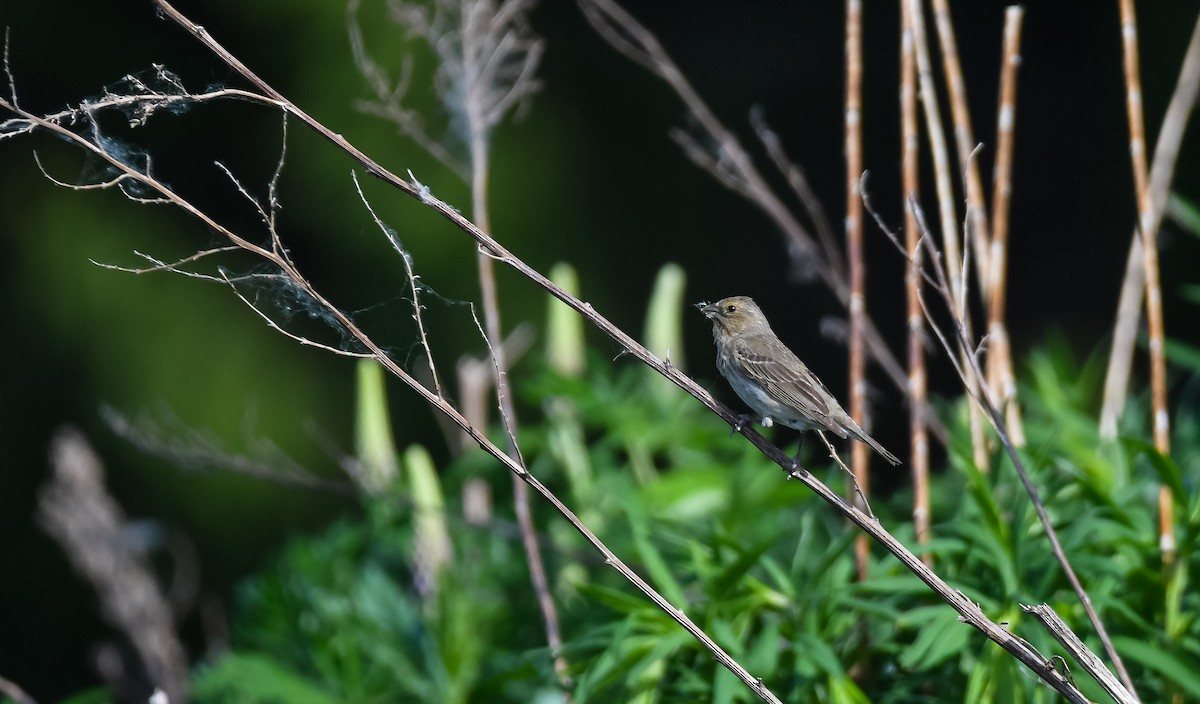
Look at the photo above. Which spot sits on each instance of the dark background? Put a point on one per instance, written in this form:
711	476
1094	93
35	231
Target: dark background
587	177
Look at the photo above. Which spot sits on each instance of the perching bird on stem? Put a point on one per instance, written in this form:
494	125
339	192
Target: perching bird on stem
771	379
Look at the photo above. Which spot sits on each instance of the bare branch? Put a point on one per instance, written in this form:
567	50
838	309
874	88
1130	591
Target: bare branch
945	197
859	455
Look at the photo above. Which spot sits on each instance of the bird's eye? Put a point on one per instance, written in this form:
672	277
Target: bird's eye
730	308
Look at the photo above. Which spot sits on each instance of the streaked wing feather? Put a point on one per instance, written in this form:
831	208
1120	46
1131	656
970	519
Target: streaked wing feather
781	374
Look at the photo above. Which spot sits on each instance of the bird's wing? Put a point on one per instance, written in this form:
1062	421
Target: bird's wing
782	375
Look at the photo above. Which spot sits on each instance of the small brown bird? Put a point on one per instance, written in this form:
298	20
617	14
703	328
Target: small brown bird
771	379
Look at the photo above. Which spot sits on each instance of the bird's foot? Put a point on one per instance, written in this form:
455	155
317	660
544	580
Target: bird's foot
767	421
740	423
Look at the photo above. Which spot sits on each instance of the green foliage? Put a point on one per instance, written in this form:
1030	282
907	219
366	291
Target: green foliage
362	613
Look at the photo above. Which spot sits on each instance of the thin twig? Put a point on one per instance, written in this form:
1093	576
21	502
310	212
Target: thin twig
413	288
851	480
489	38
191	448
389	94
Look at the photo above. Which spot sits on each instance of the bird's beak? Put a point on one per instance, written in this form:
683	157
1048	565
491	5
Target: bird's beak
708	309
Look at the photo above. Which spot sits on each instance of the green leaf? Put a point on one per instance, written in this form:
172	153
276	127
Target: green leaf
373	430
815	652
728	578
938	640
1181	353
663	650
664	319
1184	674
762	657
1184	212
564	327
433	547
660	575
249	678
1168	472
96	695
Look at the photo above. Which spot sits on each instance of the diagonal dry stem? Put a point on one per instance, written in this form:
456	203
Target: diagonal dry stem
945	199
964	141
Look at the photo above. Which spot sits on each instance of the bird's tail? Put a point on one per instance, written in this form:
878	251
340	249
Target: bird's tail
859	434
880	449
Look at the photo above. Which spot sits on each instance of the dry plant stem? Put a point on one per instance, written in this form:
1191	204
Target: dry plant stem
480	60
969	611
1154	312
945	199
484	34
917	384
729	163
962	341
964	140
1162	171
508	415
1000	373
799	184
1080	652
859	452
14	692
77	510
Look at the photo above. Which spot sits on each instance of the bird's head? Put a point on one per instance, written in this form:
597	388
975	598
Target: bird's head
735	315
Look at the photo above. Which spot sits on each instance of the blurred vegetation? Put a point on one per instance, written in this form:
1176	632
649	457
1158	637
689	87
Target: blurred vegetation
398	597
350	614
